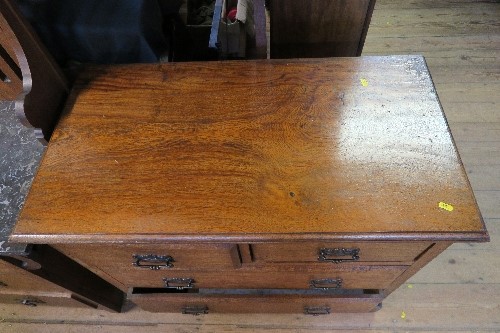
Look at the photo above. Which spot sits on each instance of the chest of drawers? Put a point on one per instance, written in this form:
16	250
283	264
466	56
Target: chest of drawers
311	186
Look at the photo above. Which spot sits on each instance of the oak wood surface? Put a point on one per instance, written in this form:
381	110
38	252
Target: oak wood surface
368	251
34	299
185	256
44	271
354	147
13	278
256	304
456	292
51	265
117	268
278	276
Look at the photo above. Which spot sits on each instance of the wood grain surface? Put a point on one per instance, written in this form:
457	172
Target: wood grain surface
459	290
46	271
319	28
368	251
281	303
116	266
34	299
353	147
13	278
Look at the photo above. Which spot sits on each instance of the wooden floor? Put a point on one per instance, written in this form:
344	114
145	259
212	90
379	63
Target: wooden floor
460	290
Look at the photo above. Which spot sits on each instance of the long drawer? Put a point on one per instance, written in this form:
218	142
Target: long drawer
336	252
33	299
13	279
270	276
248	301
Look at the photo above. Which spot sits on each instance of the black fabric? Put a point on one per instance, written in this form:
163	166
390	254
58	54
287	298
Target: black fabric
97	31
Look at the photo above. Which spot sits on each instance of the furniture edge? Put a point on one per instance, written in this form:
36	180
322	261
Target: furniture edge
468	236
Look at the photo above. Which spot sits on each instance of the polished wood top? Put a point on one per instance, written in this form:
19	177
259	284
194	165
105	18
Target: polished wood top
346	148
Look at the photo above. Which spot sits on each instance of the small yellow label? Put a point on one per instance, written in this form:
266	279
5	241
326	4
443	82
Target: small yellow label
445	206
403	315
364	82
410	286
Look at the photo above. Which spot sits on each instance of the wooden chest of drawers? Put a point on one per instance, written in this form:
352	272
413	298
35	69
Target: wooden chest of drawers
311	186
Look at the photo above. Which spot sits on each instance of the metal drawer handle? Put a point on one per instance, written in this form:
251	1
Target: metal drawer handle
31	302
326	284
333	255
179	283
195	310
152	261
316	310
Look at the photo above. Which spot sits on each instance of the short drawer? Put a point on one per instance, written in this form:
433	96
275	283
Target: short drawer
274	276
341	252
254	301
126	263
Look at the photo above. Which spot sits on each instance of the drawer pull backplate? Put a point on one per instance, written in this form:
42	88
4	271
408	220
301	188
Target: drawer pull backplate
179	283
195	310
325	284
32	302
334	255
316	310
152	261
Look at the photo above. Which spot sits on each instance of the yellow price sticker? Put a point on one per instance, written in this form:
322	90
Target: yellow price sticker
364	82
445	206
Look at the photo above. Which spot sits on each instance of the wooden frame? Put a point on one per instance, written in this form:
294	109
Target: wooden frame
30	76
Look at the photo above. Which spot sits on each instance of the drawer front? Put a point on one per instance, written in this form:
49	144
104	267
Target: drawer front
239	301
43	299
277	276
14	279
128	262
341	252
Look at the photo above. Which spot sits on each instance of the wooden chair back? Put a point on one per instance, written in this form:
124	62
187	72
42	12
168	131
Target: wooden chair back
11	79
28	74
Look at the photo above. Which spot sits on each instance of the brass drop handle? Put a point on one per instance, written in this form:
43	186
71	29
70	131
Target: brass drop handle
179	283
325	284
316	310
152	261
336	255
